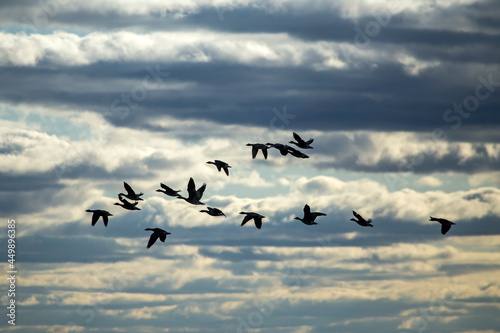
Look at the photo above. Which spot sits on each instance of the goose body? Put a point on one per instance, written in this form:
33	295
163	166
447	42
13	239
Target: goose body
309	216
256	147
131	195
445	224
194	195
168	191
97	213
213	211
301	143
221	165
257	218
361	221
126	204
157	233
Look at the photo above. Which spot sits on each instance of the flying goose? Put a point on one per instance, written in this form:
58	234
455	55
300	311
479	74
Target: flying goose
157	233
445	224
361	221
213	211
308	216
296	153
194	195
256	147
281	147
131	195
97	213
257	218
301	143
221	165
127	205
168	191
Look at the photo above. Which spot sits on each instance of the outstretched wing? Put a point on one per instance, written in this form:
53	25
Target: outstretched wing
445	228
264	152
200	191
226	169
258	222
105	220
297	137
308	142
191	188
129	189
152	239
254	151
307	212
246	219
95	217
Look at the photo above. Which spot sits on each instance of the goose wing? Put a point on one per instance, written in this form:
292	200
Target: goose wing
95	218
445	227
191	188
264	152
298	138
246	219
258	222
130	191
105	220
359	217
163	236
307	212
254	151
200	191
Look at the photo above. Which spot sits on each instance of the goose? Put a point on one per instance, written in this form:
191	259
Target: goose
221	165
157	233
256	147
281	147
97	213
194	195
301	143
308	216
257	218
127	205
445	224
130	193
213	212
361	221
296	153
168	191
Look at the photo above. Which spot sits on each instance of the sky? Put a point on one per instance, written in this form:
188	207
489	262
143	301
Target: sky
401	97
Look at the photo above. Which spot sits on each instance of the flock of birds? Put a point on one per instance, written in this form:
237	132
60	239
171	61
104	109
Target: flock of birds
195	195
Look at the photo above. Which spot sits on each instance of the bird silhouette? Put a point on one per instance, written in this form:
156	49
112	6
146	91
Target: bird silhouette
251	215
445	224
97	213
131	195
308	216
168	191
213	211
221	165
256	147
361	221
126	204
301	143
194	195
281	147
296	153
157	233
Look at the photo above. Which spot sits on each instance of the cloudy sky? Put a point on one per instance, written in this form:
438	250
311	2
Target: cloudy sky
402	100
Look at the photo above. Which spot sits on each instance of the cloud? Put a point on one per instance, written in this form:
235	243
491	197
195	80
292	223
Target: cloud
429	181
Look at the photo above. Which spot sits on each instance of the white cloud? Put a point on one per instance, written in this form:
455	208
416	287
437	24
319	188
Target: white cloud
429	181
